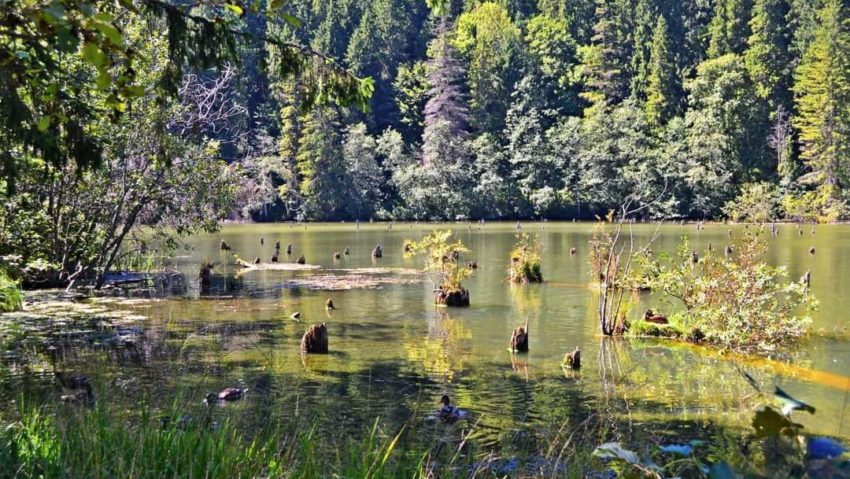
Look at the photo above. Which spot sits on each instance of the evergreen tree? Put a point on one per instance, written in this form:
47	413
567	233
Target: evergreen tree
645	20
446	105
730	27
768	57
290	130
360	150
324	185
823	103
607	62
663	91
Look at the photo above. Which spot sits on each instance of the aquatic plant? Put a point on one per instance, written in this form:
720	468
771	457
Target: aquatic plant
446	272
11	298
525	260
736	301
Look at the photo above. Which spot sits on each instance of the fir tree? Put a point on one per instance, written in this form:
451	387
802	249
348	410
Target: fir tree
768	57
663	90
607	62
822	98
729	27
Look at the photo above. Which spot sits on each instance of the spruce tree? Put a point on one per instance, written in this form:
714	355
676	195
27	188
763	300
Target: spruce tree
729	27
322	167
607	62
768	57
664	87
822	98
290	130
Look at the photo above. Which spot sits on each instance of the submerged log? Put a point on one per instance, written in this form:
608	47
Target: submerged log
459	298
315	340
573	360
519	339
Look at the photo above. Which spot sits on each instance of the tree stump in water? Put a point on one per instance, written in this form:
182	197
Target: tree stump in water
257	260
378	252
315	340
224	246
329	304
204	275
289	249
274	257
346	251
573	360
519	339
301	260
337	255
458	298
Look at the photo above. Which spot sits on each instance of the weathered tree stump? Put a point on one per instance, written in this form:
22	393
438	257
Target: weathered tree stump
337	255
329	304
289	249
257	260
301	260
806	279
812	250
472	265
519	339
458	298
262	241
378	252
315	340
275	256
572	251
346	251
573	360
406	247
651	317
205	274
224	246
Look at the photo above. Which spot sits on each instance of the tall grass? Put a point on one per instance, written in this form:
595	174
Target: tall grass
11	298
65	441
81	442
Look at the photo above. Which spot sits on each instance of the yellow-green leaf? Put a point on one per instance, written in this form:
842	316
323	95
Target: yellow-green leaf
234	8
43	123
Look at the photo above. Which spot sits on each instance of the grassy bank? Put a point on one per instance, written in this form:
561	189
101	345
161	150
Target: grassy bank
61	440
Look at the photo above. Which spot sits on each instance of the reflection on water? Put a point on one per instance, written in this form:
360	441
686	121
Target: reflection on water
393	354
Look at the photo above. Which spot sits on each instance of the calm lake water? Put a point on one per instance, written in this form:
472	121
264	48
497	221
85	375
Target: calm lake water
393	354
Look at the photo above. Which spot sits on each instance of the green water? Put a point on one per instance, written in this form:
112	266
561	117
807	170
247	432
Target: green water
393	354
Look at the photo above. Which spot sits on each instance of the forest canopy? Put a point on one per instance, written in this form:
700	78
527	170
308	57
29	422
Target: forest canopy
411	110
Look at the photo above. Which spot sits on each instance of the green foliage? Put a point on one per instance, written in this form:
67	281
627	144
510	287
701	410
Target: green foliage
100	442
58	56
440	252
738	301
11	298
525	260
757	203
663	89
822	90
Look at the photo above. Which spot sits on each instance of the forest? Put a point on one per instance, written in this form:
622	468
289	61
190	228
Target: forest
560	109
178	116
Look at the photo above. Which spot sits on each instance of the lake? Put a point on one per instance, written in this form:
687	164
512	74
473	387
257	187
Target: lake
393	353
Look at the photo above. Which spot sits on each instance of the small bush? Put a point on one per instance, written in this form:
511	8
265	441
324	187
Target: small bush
738	301
441	255
525	260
